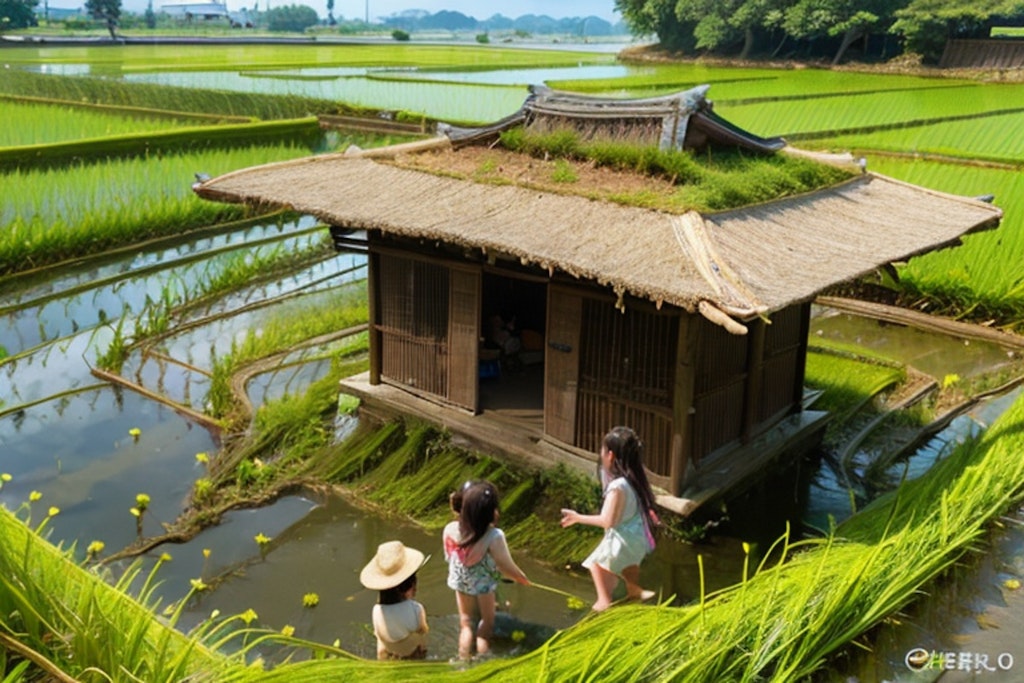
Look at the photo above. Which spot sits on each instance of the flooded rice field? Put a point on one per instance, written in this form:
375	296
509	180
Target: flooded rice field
67	438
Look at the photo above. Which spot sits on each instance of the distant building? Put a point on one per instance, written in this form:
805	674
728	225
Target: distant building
198	11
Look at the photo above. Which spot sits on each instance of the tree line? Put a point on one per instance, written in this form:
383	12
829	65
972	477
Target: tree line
879	29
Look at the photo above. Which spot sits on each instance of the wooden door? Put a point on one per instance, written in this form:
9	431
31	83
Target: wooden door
561	367
464	338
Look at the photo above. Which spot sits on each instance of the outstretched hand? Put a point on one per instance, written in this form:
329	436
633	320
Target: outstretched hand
569	517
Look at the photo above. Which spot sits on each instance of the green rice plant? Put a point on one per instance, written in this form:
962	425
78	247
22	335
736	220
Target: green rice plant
866	112
848	381
305	131
140	58
114	92
981	279
291	325
49	216
980	138
29	123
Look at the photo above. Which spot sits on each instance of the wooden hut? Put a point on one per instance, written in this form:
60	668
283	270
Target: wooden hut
690	328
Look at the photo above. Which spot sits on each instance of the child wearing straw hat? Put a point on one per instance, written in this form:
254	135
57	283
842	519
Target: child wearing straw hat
399	622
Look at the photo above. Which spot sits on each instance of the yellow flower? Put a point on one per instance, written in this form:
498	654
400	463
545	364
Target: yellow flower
310	600
518	636
202	458
34	496
249	616
5	477
214	614
288	630
142	501
206	552
136	512
95	548
198	584
950	380
53	511
574	603
165	557
135	433
1012	584
337	642
261	539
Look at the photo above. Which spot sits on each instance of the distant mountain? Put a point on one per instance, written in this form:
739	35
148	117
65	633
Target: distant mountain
420	20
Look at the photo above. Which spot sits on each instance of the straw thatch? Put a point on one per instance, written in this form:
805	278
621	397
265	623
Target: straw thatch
744	262
681	120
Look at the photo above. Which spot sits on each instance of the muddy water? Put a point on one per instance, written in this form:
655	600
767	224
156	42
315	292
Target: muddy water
66	436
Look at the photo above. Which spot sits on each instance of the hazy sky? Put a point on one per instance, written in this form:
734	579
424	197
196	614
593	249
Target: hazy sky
357	9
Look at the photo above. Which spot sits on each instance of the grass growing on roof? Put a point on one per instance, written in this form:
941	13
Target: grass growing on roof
709	181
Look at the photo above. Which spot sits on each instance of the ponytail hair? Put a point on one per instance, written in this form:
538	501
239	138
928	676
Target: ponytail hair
479	506
629	463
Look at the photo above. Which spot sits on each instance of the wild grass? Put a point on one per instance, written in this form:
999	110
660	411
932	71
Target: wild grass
52	215
711	181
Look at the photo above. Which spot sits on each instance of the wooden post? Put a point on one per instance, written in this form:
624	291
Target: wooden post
755	379
373	309
682	401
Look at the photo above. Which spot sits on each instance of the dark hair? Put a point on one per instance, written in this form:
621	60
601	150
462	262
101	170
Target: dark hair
479	505
393	596
455	499
629	463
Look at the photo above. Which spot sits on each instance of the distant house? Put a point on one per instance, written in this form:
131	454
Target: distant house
691	328
197	11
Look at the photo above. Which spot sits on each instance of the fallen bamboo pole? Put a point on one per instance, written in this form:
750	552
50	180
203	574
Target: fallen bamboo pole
201	418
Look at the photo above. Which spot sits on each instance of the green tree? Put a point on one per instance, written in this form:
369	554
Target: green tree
848	19
16	14
108	11
926	25
659	17
719	24
295	18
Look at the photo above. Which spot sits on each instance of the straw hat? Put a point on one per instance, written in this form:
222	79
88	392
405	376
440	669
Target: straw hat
393	564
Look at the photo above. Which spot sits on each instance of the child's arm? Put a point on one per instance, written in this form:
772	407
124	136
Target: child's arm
503	559
609	516
423	619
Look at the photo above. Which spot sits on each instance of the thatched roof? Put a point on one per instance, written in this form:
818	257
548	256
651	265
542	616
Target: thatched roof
681	120
744	262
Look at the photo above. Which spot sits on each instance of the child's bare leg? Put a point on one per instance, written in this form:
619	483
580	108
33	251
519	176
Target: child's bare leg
604	583
467	617
485	630
634	591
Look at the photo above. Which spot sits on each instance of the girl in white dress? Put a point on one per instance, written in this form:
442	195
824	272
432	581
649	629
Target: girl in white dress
627	516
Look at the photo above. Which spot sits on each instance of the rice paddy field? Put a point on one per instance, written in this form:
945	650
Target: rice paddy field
114	263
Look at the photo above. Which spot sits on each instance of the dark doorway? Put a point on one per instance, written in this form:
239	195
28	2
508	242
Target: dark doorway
513	315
